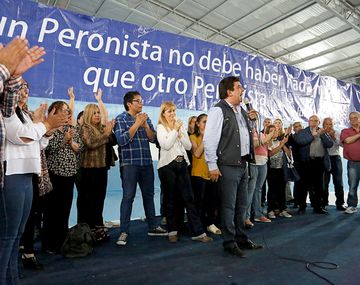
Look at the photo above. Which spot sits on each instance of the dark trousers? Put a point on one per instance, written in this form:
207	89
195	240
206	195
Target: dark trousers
298	185
80	199
233	187
206	197
176	183
336	173
92	196
312	173
276	192
57	211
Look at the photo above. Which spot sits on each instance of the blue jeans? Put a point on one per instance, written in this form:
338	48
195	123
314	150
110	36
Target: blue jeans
131	175
15	205
336	172
234	191
353	168
256	182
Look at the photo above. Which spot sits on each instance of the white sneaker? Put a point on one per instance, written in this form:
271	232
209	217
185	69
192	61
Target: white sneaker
350	210
214	229
285	214
122	240
271	215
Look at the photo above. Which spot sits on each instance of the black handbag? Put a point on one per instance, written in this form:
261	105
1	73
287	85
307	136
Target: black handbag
290	173
111	156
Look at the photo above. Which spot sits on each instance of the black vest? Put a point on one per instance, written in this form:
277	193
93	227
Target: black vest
229	148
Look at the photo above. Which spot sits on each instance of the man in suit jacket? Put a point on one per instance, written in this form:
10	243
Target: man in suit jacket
312	142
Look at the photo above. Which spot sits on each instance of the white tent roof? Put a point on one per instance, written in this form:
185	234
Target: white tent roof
322	36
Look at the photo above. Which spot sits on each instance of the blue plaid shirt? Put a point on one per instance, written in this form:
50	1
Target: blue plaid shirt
135	151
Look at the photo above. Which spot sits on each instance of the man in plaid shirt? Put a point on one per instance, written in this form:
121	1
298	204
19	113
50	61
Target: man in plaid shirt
133	131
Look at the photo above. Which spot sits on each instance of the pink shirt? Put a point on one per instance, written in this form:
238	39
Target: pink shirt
261	152
351	150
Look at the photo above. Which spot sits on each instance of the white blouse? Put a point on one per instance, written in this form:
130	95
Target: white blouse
23	157
171	146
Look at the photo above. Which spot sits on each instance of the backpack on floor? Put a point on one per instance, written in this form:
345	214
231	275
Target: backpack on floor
79	242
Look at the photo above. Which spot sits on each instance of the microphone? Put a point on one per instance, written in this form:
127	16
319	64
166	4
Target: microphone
248	104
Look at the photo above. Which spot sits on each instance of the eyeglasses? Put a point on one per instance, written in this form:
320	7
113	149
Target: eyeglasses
140	101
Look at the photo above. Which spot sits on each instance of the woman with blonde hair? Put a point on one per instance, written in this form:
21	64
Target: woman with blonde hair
95	134
174	175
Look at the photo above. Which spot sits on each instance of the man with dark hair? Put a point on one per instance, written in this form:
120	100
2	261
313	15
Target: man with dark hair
128	98
134	130
228	148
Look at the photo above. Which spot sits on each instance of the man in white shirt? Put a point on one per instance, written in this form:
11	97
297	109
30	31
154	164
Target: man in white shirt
228	147
336	170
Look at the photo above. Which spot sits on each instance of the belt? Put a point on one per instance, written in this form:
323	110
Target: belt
179	158
316	157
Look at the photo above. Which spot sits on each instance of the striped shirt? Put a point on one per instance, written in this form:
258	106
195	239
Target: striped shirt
135	151
9	96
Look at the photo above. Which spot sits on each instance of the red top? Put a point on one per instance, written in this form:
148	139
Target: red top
351	150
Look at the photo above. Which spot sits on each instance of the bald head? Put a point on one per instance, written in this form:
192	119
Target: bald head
314	121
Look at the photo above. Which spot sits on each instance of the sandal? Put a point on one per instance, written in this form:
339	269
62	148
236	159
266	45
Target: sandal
101	234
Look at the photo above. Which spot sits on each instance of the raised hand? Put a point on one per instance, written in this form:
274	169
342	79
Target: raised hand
178	124
284	140
321	131
288	130
39	113
54	121
13	53
69	135
98	95
32	58
252	115
71	92
141	119
109	127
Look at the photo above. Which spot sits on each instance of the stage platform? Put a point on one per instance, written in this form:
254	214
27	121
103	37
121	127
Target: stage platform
153	260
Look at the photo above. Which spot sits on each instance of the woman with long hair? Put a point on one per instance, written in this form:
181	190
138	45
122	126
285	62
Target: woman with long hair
26	135
276	181
174	175
94	169
205	193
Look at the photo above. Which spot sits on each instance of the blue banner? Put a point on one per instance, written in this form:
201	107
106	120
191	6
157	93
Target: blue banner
90	53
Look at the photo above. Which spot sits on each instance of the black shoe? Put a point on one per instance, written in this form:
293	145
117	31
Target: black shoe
249	245
290	202
249	226
340	208
31	263
321	211
301	212
235	250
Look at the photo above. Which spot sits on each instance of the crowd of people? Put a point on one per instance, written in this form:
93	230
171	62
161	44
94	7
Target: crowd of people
214	172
